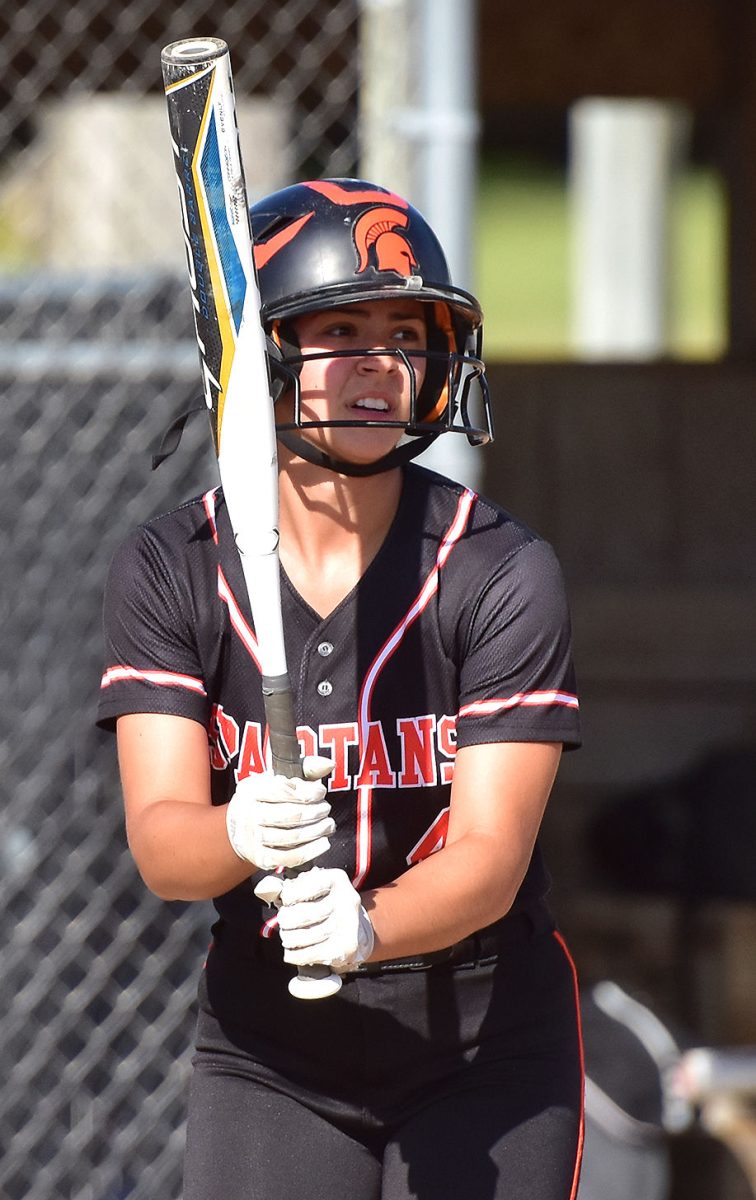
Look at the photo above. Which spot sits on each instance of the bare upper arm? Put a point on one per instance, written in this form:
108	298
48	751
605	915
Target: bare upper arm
162	757
176	835
501	789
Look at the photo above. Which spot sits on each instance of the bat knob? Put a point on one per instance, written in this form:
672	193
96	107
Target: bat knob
314	983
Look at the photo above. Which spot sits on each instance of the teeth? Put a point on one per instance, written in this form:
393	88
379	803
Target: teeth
371	402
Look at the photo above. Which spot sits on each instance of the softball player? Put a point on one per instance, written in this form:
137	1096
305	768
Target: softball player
429	648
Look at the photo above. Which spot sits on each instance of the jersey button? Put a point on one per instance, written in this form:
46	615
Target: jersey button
325	648
325	688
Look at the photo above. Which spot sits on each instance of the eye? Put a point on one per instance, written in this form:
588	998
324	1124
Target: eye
339	329
414	334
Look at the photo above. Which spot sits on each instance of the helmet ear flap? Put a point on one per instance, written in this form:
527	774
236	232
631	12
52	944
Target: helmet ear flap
433	401
279	348
285	337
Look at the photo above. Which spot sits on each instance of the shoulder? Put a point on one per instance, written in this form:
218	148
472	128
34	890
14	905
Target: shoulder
168	554
194	520
173	533
486	536
495	572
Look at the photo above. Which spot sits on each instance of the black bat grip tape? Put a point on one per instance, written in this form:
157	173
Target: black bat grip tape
279	710
287	760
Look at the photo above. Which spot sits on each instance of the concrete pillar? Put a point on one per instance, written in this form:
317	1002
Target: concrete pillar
623	156
101	188
419	131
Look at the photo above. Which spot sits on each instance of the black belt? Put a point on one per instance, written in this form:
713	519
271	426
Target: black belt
479	949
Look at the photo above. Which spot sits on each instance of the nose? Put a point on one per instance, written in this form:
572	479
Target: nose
382	360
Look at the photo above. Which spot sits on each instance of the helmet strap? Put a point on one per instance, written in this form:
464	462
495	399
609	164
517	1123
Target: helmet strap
395	458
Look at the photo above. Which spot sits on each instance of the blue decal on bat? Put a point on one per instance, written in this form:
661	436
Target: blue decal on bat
233	272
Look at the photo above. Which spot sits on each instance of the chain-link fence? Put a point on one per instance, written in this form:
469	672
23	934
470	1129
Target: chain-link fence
96	358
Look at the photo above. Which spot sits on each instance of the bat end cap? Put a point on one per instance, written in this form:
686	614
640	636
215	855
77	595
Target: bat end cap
312	985
194	50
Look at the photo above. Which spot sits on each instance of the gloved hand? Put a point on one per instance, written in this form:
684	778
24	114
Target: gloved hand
320	918
276	822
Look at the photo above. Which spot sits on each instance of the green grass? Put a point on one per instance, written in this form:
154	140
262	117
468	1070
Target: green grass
522	267
698	249
522	259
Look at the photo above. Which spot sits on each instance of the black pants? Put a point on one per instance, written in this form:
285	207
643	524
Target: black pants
461	1081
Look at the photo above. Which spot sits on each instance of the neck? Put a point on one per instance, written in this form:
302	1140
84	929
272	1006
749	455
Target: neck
332	526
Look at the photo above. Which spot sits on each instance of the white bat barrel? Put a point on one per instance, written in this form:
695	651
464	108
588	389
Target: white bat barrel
234	366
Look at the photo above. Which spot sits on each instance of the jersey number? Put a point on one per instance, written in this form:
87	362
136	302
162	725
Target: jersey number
432	840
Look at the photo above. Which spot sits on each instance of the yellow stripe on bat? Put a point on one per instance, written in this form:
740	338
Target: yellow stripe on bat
179	83
222	306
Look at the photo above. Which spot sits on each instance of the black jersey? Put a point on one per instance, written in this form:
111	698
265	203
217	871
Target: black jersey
457	634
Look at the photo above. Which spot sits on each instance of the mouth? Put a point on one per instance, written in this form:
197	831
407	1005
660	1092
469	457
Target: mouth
374	407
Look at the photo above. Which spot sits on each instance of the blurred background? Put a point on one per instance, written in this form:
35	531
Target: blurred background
591	170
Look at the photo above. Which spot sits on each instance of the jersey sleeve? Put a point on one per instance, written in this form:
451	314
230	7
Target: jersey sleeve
517	681
152	664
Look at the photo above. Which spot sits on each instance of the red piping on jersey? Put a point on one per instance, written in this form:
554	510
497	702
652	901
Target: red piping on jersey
249	641
581	1130
427	591
162	678
485	708
268	928
209	502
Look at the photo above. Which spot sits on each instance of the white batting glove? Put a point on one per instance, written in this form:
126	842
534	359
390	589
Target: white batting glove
276	822
321	919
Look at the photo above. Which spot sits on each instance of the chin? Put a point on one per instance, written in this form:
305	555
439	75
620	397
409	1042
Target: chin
362	448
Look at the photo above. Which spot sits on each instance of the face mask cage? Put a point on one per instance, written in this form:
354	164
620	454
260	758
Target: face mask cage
464	380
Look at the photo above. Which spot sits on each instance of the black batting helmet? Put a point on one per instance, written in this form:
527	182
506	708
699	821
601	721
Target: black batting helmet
331	242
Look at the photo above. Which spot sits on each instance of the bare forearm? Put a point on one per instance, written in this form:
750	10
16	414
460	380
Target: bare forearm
461	888
183	852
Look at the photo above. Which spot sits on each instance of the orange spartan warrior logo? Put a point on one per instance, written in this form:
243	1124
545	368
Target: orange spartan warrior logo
378	231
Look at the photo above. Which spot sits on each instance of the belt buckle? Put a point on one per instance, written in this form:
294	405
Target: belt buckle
422	963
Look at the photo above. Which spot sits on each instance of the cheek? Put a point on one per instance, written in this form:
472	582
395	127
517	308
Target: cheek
311	379
420	371
322	378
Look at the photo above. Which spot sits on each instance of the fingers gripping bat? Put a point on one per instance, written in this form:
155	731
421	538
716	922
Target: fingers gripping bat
234	367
